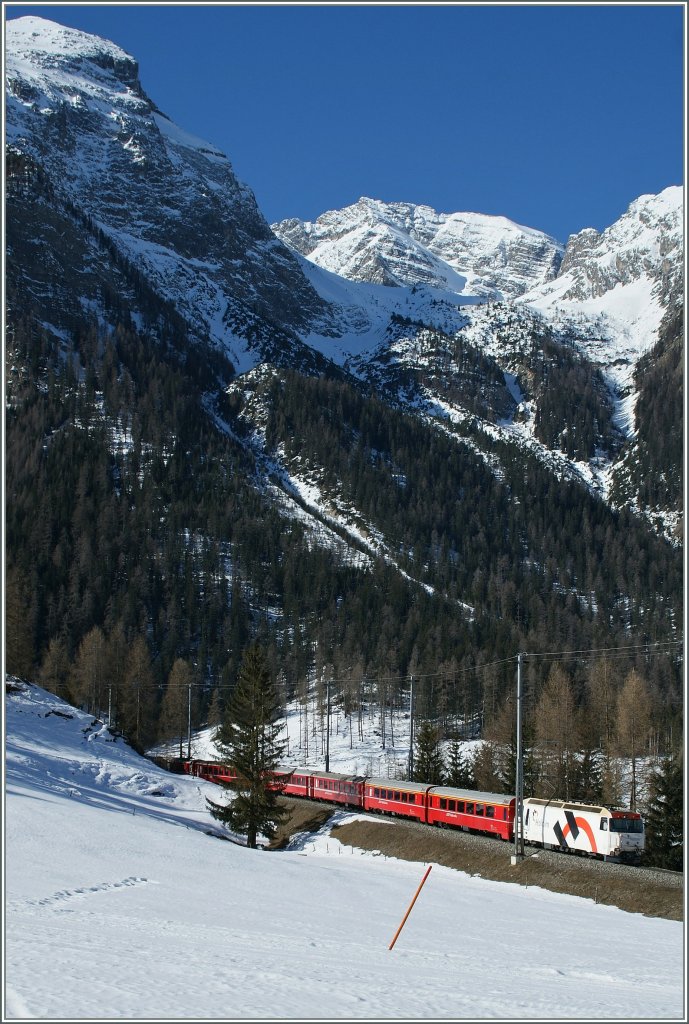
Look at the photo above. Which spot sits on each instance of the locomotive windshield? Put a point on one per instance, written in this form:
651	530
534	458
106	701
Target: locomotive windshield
626	825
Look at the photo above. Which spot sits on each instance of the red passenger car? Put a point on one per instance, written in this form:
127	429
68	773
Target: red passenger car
337	789
390	796
210	770
474	811
299	783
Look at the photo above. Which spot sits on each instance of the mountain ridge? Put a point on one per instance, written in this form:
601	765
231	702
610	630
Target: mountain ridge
245	443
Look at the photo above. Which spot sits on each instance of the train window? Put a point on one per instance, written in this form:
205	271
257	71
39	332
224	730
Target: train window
460	806
626	825
443	803
470	808
375	792
604	824
490	812
480	809
412	798
451	805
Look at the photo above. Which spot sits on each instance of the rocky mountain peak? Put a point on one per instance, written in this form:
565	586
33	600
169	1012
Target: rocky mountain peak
645	241
409	244
168	201
36	43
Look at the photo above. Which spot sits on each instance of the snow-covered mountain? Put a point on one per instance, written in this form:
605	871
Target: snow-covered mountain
404	244
614	287
167	201
501	289
292	392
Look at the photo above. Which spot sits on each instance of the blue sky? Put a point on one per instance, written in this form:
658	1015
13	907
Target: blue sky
557	116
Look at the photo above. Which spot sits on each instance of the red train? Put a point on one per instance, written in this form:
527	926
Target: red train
554	824
491	813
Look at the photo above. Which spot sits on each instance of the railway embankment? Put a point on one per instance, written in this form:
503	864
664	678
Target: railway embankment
638	890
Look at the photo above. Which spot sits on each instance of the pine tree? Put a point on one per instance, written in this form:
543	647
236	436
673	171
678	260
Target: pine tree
664	817
249	741
428	760
19	653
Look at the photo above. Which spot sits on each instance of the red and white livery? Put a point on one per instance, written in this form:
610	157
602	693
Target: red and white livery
583	828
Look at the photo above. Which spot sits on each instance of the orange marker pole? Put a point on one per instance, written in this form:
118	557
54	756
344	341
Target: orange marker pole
410	906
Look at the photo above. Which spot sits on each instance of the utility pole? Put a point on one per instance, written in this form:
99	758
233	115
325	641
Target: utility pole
519	780
109	705
189	726
411	730
327	724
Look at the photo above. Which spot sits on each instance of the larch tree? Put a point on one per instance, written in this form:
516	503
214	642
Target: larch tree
249	740
90	670
174	711
55	668
633	726
602	688
556	736
137	698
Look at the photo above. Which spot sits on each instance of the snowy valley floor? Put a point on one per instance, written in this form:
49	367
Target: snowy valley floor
120	905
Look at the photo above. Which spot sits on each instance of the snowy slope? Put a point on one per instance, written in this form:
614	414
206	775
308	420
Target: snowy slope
118	904
614	287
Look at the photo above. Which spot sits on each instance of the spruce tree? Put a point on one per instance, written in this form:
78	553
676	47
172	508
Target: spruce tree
459	770
664	818
428	761
249	741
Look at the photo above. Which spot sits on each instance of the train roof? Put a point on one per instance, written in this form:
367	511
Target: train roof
473	795
314	773
537	801
408	787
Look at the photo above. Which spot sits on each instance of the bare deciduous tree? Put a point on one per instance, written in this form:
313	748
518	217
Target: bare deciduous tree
633	725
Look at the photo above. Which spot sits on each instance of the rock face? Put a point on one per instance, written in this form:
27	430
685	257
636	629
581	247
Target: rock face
168	201
405	244
645	243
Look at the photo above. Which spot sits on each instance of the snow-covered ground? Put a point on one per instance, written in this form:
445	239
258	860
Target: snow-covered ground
120	902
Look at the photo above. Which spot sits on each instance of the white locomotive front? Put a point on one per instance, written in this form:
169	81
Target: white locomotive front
584	828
